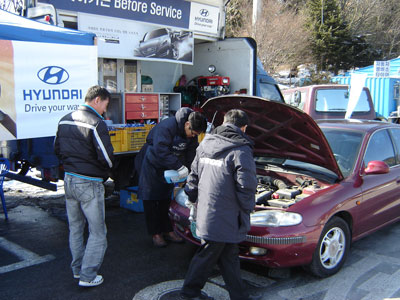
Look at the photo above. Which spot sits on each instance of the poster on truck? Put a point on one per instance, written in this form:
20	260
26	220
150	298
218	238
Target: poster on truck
125	39
40	83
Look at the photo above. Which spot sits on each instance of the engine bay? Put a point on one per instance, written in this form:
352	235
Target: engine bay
276	192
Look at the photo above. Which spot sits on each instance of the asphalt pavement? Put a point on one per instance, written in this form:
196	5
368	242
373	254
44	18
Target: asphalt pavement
35	258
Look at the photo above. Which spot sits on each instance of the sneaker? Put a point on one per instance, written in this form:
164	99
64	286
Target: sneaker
77	276
97	281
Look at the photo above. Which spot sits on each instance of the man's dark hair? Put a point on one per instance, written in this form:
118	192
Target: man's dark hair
197	121
97	91
236	117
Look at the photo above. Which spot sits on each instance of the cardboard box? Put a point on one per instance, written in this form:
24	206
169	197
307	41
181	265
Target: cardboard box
129	200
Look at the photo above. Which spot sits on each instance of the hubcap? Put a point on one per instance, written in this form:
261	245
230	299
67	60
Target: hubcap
332	248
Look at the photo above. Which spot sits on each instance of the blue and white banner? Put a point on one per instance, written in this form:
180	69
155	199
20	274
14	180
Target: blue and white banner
193	16
40	83
170	13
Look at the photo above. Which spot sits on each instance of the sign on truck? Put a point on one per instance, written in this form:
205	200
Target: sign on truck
45	72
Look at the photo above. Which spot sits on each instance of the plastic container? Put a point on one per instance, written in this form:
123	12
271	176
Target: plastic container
128	199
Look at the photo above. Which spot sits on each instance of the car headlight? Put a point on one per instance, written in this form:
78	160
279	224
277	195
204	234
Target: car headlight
181	197
275	218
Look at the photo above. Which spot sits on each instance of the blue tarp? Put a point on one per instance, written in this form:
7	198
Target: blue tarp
17	28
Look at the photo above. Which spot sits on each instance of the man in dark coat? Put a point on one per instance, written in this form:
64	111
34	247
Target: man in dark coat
83	145
223	183
170	145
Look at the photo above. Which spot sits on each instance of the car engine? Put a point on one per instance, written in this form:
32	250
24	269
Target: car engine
275	192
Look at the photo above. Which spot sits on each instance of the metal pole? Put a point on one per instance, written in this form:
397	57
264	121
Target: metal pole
255	12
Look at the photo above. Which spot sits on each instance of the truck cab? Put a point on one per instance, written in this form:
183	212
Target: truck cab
329	101
266	86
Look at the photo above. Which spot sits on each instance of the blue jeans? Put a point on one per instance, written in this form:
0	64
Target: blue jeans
85	202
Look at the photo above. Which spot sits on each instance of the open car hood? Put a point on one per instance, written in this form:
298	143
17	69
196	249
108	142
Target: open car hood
277	129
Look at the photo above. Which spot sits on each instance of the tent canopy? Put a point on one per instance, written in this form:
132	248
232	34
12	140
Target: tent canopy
17	28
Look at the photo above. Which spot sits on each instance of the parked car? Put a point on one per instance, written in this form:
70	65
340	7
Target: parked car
321	185
329	101
158	43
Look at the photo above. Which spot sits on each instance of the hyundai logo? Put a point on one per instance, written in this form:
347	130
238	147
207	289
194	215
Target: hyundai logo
204	12
53	75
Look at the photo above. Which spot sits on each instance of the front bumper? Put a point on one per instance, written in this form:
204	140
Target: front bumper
284	246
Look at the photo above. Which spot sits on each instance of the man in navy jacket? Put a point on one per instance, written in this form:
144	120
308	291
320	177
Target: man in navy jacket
170	145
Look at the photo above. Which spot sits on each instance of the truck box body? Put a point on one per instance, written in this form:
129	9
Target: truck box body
235	60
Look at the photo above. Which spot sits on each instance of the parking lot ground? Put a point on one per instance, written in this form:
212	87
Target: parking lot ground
35	258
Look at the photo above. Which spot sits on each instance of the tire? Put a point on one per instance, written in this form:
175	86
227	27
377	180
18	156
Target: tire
332	249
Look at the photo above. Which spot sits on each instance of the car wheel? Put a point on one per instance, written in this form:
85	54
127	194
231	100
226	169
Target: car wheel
332	248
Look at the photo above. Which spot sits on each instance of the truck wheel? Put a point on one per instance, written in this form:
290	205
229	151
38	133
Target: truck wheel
332	249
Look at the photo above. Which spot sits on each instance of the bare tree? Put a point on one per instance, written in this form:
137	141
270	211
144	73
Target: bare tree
378	21
279	33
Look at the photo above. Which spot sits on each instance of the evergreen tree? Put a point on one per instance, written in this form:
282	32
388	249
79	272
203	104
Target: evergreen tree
331	43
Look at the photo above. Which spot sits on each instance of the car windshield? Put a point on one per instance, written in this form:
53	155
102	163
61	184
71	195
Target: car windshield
288	165
337	100
345	145
270	91
155	33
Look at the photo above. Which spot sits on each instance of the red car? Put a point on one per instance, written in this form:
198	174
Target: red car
321	186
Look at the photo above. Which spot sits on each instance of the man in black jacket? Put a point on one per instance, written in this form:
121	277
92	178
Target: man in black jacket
223	183
170	145
84	147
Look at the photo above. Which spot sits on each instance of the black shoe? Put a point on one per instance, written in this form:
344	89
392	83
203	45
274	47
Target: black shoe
173	237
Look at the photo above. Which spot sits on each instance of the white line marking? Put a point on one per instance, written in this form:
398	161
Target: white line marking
28	258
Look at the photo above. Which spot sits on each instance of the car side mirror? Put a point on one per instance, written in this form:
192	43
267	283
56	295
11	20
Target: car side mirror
376	167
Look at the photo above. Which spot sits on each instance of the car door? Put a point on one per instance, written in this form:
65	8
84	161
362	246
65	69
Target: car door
381	192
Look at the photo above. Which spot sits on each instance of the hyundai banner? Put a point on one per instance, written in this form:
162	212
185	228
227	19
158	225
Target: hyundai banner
163	12
40	83
193	16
